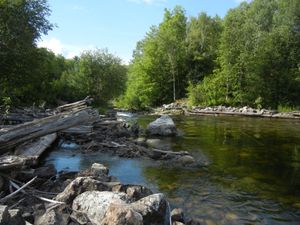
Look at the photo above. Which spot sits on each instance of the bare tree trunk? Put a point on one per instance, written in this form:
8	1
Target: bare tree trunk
174	88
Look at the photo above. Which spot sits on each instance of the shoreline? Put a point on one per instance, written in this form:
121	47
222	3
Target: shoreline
178	109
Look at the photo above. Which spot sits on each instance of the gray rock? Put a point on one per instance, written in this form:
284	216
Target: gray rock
177	215
98	169
177	223
117	214
153	208
186	160
4	215
164	143
80	185
52	217
134	192
79	218
95	203
16	217
163	126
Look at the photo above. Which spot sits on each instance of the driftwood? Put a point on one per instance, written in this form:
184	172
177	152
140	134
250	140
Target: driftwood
2	200
33	150
11	161
27	153
83	129
75	105
44	126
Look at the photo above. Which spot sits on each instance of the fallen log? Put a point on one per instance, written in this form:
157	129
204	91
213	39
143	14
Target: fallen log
41	127
11	161
83	129
33	150
75	105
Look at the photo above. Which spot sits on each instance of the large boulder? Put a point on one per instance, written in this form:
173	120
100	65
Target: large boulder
163	126
95	203
153	208
117	214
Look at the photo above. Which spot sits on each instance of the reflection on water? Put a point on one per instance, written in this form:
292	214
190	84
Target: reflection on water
254	177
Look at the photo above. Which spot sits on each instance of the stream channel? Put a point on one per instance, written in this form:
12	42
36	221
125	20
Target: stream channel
253	176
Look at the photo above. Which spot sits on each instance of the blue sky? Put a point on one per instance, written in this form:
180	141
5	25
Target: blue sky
114	24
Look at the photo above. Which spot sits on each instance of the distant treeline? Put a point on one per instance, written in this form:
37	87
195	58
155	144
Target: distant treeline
251	57
31	75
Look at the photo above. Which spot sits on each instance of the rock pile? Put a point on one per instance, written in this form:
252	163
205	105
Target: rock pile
174	108
94	198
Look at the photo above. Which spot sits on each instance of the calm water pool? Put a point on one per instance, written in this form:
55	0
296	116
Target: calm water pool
253	178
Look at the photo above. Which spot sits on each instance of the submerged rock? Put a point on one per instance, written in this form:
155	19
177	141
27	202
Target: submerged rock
177	215
163	126
187	160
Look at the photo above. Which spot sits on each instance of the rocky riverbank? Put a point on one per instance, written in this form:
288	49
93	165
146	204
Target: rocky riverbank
90	197
34	194
182	109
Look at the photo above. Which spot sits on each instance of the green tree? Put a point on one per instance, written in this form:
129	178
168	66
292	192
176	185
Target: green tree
158	71
172	41
258	57
203	41
96	73
22	22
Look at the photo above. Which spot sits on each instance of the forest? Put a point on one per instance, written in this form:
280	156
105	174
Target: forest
249	57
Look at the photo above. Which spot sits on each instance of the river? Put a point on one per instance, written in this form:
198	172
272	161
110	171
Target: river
253	176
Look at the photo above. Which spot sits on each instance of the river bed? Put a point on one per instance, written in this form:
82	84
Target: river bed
253	177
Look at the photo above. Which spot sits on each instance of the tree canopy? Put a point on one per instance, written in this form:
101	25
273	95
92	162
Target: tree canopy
251	57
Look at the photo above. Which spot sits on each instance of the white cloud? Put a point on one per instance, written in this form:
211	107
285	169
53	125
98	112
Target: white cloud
56	46
149	2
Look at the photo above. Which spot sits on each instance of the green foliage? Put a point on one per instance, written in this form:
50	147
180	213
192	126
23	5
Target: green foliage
203	41
158	71
259	56
98	74
6	104
22	22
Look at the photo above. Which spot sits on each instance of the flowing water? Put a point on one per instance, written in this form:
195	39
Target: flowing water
253	176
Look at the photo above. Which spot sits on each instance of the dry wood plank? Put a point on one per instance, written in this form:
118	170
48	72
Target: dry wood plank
11	161
83	129
75	105
33	150
44	126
